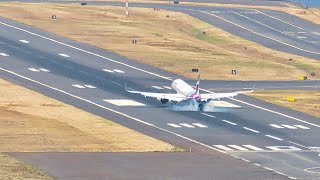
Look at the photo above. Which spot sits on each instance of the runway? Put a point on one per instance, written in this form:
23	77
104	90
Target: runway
92	79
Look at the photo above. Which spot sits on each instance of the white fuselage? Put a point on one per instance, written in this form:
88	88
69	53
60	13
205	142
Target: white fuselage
183	88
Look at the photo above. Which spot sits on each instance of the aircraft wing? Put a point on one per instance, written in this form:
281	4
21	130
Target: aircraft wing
170	97
221	95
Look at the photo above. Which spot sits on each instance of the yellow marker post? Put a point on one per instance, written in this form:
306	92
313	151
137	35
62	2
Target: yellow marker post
290	99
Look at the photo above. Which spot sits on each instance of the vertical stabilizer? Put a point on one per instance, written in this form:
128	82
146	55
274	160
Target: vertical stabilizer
198	84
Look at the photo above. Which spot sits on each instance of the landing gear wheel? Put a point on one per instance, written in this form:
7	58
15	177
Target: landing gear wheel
201	107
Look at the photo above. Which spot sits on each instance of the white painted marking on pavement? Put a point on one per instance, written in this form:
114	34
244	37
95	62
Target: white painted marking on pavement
200	125
24	41
278	19
284	148
300	126
174	125
186	125
273	137
212	116
259	34
252	130
89	86
34	70
107	70
44	70
118	71
288	126
167	87
223	147
157	87
232	123
64	55
238	147
253	147
78	86
112	110
276	126
4	54
123	102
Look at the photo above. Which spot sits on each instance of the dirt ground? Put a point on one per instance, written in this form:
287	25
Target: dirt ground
32	122
169	40
12	169
307	101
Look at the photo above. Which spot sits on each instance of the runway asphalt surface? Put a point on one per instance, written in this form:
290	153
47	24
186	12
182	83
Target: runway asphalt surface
270	137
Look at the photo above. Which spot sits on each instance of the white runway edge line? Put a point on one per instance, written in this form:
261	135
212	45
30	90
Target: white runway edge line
256	33
154	74
112	110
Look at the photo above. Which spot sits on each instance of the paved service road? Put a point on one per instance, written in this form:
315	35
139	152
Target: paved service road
267	136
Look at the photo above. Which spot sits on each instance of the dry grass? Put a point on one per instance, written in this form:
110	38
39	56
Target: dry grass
31	122
11	168
307	101
174	43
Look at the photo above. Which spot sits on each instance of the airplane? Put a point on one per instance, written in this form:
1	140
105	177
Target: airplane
186	93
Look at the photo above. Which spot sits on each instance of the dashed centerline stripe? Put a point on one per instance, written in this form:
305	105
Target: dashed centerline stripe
157	87
276	126
273	137
232	123
24	41
302	127
288	126
223	147
252	130
64	55
174	125
4	54
118	71
238	147
253	147
186	125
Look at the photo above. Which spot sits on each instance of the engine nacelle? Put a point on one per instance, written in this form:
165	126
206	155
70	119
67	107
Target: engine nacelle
164	101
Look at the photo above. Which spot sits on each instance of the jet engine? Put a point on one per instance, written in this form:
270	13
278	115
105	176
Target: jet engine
164	101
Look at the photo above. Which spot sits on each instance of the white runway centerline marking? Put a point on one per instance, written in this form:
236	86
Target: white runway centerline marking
157	87
186	125
301	127
78	86
200	125
276	126
174	125
232	123
167	87
4	54
38	70
123	102
107	70
252	130
273	137
118	71
64	55
24	41
90	86
34	69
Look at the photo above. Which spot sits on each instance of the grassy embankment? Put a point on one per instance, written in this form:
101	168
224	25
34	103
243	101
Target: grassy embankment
169	40
307	101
